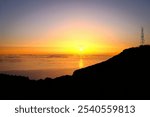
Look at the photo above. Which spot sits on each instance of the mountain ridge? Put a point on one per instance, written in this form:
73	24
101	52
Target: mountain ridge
127	59
124	76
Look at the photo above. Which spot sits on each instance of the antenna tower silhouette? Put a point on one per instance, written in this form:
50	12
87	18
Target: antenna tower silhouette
142	36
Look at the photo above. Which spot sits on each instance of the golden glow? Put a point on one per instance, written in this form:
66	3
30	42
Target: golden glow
79	37
72	37
81	64
68	28
81	49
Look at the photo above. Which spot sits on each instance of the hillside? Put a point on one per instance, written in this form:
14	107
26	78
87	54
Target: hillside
131	63
124	76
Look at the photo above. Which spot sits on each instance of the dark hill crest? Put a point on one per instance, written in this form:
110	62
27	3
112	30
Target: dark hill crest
124	76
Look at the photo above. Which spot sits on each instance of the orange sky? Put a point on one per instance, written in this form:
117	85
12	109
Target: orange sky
70	37
70	27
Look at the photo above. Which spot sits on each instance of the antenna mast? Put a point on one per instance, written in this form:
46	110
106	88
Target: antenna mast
142	36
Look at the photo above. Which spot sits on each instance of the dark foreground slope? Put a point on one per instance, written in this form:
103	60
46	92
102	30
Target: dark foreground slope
124	76
129	64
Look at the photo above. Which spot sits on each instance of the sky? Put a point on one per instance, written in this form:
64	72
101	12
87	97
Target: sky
72	26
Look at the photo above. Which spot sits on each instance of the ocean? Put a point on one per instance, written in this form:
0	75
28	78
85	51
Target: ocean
42	66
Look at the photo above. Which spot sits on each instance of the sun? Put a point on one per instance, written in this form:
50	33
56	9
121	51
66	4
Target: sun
81	49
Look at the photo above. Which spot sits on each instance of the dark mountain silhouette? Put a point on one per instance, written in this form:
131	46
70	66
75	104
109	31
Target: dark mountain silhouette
124	76
132	62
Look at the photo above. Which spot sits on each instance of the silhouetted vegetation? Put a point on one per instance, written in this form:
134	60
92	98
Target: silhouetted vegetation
124	76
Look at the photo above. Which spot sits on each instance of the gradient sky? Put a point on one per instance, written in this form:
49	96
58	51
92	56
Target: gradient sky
72	26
